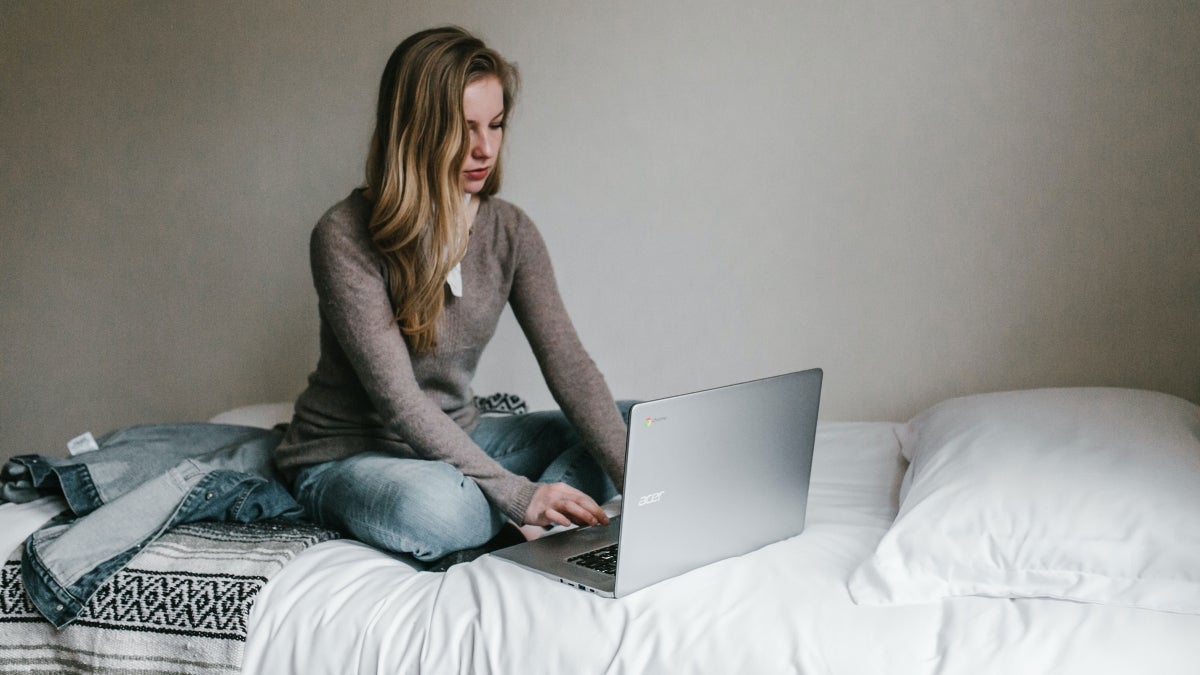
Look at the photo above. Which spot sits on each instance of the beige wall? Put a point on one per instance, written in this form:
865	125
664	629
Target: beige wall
924	200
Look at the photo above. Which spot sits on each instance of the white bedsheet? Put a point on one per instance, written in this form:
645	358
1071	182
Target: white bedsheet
782	609
341	607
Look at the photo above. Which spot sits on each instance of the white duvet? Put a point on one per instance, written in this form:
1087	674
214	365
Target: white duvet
341	607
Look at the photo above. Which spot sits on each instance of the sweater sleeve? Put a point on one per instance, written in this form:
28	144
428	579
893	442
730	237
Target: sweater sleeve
353	298
574	381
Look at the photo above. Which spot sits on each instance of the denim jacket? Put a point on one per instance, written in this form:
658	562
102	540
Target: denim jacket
142	481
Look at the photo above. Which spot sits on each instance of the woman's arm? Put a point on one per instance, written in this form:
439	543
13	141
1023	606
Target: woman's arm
573	378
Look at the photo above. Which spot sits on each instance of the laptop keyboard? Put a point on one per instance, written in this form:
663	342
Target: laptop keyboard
602	560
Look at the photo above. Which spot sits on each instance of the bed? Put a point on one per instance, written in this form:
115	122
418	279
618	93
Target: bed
1046	531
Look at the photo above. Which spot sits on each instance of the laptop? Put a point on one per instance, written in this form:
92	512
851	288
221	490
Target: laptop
708	476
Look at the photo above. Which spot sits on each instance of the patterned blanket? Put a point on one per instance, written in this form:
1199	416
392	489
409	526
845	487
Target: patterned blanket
180	606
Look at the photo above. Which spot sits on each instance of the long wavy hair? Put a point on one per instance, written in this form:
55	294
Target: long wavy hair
418	221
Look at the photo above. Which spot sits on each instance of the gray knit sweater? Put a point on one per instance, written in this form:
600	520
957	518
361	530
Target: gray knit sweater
369	393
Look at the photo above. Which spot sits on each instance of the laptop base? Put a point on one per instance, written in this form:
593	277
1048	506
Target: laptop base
548	556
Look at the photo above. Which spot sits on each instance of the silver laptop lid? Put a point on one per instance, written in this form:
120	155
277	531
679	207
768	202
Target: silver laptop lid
715	474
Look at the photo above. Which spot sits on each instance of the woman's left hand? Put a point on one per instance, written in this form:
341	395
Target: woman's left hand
561	504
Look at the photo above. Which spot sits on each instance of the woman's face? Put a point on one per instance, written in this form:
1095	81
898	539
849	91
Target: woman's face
483	107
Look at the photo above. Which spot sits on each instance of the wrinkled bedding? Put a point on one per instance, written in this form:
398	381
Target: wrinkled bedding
782	609
343	607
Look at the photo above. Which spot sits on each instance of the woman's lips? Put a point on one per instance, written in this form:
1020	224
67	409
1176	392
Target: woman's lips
478	174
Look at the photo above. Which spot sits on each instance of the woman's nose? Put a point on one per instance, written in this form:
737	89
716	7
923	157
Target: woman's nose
481	146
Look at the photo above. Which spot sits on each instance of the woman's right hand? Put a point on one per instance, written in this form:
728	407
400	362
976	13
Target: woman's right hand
561	504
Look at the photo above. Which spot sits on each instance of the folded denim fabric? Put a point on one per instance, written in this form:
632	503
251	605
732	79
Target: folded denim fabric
139	484
130	456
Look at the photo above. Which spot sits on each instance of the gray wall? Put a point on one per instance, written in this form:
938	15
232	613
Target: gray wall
926	199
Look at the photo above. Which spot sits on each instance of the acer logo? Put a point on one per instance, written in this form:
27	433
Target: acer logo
650	498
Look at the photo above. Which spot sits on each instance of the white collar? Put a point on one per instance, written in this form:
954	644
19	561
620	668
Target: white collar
454	278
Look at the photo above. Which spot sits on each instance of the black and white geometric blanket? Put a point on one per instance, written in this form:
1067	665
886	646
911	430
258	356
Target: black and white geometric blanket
500	404
180	606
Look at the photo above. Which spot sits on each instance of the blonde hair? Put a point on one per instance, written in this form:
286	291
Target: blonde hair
418	219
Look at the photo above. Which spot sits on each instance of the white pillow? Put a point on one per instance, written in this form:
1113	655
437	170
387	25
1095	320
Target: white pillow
1084	494
264	415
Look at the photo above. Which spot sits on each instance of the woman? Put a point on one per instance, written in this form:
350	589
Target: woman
412	273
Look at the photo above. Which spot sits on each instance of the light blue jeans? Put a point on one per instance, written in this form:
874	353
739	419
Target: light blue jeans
429	509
